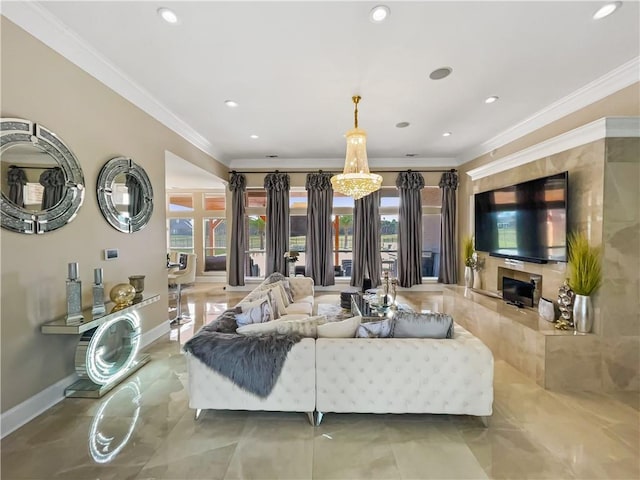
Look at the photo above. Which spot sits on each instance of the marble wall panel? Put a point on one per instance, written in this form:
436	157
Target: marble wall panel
621	363
573	363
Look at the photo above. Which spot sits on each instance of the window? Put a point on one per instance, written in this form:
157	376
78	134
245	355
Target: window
215	244
181	235
431	220
215	202
181	202
256	228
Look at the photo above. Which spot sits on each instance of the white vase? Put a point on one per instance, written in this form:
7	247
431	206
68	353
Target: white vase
477	280
292	269
468	277
582	313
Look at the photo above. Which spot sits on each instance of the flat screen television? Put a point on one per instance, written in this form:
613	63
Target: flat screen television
527	221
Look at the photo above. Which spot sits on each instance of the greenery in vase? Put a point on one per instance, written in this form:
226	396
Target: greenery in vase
468	251
585	268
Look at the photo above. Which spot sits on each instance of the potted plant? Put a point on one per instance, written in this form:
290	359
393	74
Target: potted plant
585	277
469	261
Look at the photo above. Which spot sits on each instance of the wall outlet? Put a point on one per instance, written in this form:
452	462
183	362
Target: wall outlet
111	254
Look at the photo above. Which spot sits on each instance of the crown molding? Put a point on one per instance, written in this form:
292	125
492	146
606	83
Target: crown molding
47	28
378	164
617	79
602	128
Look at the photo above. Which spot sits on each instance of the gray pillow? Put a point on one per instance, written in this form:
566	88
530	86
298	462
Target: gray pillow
379	329
422	325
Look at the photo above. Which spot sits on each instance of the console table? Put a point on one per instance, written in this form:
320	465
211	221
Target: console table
107	351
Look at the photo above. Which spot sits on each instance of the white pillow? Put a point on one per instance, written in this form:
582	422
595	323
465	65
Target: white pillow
378	329
281	287
259	328
254	312
279	296
307	327
346	328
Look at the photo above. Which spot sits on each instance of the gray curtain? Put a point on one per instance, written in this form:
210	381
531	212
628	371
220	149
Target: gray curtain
366	241
277	187
237	185
448	253
17	179
319	258
52	179
410	228
136	195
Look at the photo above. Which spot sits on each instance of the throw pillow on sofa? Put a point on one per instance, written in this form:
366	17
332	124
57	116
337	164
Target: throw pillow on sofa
254	329
306	327
254	312
379	329
422	325
346	328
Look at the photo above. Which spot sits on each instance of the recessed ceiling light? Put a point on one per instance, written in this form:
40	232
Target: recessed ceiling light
491	99
402	125
379	14
253	136
446	134
440	73
606	10
271	156
410	154
168	15
231	103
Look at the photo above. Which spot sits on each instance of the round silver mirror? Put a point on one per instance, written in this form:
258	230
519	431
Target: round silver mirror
125	195
41	182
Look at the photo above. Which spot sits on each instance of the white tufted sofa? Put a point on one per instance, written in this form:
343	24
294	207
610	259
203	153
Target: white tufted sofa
404	375
295	390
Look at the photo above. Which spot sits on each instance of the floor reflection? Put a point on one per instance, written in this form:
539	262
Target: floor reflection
105	444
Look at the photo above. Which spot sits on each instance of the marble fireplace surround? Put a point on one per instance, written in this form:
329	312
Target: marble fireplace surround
604	194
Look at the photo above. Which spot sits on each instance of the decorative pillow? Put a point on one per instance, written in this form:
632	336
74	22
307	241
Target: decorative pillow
306	327
379	329
287	290
254	329
258	294
254	312
422	325
281	288
279	295
342	329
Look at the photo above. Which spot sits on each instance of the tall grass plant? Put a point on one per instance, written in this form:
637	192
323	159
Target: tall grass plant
585	265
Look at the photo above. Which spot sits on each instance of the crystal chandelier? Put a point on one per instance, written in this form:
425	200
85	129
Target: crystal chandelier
355	180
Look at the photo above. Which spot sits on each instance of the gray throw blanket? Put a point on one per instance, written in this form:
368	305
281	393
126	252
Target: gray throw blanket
252	363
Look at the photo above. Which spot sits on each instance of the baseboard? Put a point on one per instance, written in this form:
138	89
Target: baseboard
22	413
26	411
155	333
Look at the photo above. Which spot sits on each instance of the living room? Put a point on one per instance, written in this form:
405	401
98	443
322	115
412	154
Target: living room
44	82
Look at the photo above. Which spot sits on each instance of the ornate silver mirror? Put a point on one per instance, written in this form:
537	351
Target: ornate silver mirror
41	180
125	195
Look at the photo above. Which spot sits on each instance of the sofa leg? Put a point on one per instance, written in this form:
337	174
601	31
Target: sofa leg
319	416
198	413
310	417
485	420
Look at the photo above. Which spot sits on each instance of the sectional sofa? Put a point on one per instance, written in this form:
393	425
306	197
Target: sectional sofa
362	375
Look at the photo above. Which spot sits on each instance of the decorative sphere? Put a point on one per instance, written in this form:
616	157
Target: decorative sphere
122	294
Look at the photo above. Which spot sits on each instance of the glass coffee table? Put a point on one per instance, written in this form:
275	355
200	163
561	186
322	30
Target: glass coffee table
366	307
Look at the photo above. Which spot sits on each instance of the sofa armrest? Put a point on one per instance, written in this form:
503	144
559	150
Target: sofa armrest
301	287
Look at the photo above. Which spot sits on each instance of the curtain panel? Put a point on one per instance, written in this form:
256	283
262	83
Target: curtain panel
366	241
277	187
319	258
449	256
17	179
410	228
237	186
53	181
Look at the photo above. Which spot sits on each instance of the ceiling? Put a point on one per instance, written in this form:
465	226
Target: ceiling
293	66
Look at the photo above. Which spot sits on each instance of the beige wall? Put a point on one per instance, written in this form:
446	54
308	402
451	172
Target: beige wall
97	124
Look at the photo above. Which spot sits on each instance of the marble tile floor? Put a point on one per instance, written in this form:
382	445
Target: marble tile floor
144	429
